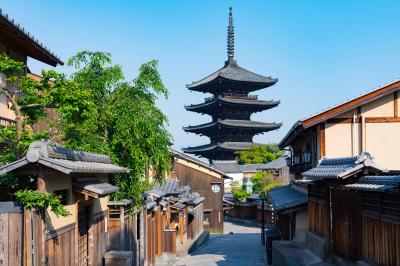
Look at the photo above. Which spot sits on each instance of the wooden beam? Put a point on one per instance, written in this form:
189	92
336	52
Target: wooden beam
351	104
322	140
85	192
395	104
367	120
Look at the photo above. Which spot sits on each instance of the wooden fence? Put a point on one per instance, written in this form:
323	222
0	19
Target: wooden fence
243	211
317	217
21	234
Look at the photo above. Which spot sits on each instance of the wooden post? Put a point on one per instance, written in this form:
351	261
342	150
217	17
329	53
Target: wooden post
262	219
122	227
180	227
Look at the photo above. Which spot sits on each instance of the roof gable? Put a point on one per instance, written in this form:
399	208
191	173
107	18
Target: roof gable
300	125
13	31
341	168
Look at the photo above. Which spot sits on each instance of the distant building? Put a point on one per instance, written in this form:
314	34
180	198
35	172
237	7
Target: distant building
368	123
230	107
205	180
238	172
278	168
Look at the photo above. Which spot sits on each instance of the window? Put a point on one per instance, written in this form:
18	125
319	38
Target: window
215	188
63	194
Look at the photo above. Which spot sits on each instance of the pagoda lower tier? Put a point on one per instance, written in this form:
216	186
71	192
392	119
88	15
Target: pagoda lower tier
220	151
232	130
246	105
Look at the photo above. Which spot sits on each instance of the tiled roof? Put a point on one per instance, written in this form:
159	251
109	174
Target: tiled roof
171	186
231	146
123	202
64	160
341	167
231	71
376	183
36	49
232	166
100	188
286	197
264	105
235	124
275	164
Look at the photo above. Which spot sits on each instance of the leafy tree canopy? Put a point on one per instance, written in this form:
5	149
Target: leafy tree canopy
98	111
259	154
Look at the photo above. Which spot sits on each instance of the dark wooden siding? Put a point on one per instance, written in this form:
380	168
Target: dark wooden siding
318	209
346	223
243	211
98	238
201	182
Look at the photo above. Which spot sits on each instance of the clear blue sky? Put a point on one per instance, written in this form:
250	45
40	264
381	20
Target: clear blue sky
323	52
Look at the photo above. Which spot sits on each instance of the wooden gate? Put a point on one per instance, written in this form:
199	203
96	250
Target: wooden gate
83	217
346	223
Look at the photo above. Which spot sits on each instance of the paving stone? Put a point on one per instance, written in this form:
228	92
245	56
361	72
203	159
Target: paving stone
242	248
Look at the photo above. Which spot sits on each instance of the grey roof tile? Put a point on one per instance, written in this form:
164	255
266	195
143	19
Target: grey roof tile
235	123
286	197
97	187
376	183
341	167
233	72
230	146
275	164
232	166
64	160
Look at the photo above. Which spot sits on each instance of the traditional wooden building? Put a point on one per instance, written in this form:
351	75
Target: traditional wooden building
368	123
334	225
174	221
204	179
369	227
81	179
230	107
19	44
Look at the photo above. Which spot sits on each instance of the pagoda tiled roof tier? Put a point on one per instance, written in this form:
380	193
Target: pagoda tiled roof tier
220	151
257	127
210	105
231	77
228	146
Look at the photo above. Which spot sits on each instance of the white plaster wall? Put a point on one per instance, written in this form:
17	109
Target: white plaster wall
338	140
383	142
383	107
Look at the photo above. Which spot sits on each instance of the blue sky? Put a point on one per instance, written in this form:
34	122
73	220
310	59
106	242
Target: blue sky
322	52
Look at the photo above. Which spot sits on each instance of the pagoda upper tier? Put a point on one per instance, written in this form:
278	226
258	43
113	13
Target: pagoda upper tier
241	102
231	78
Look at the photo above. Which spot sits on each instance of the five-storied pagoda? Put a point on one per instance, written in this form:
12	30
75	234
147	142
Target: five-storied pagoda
230	107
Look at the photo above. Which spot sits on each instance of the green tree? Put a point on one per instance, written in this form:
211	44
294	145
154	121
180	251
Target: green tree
123	120
239	192
259	154
98	111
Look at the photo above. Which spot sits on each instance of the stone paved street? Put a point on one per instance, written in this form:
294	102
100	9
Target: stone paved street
242	248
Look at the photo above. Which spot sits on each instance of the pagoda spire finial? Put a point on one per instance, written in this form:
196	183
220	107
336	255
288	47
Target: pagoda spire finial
231	38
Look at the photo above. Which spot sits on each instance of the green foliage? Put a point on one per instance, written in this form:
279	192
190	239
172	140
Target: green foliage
259	154
98	111
34	199
238	191
263	181
124	120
